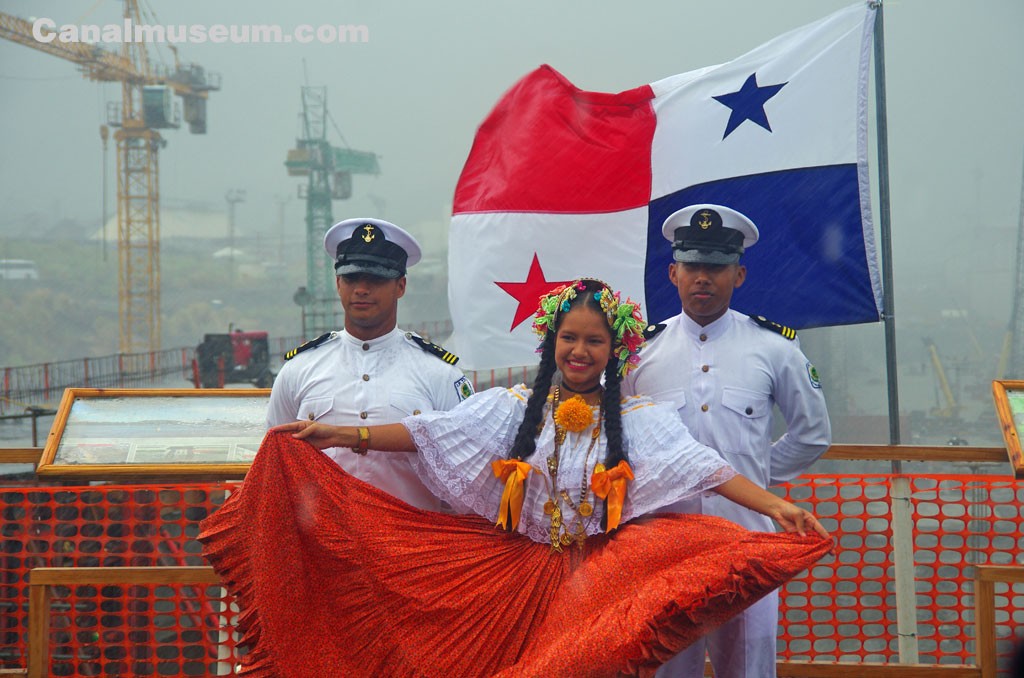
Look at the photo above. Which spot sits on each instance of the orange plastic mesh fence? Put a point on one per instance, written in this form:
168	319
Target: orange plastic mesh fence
113	630
963	521
843	609
151	630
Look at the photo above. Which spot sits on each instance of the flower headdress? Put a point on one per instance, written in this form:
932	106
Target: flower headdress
624	319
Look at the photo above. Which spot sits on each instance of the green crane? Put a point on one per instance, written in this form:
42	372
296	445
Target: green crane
329	170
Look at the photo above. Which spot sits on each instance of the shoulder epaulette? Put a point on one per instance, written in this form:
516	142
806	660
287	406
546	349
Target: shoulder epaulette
433	349
312	343
787	332
652	331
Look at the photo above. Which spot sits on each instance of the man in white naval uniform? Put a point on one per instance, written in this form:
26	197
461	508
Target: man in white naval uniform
371	372
724	371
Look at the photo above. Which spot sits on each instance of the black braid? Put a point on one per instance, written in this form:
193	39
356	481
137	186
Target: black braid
525	443
616	450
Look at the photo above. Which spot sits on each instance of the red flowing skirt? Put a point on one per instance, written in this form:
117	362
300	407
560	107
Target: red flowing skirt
337	578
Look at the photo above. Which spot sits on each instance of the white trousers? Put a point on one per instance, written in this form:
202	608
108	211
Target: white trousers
743	647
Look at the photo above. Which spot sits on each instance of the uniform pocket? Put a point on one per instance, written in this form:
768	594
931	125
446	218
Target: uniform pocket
752	412
407	404
314	409
747	404
676	398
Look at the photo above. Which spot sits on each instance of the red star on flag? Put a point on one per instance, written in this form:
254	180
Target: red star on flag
528	293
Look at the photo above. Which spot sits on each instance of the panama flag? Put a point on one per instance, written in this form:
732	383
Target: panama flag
562	183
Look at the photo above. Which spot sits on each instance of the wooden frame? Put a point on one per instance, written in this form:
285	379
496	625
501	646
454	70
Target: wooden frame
985	579
42	578
1009	397
104	434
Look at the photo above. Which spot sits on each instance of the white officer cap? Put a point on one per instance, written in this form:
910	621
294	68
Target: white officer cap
709	234
371	246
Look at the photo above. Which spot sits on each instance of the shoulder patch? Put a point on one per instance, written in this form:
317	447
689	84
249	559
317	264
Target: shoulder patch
812	374
652	331
312	343
787	332
432	349
463	388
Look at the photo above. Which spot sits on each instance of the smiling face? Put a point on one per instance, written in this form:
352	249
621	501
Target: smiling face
706	289
583	346
370	303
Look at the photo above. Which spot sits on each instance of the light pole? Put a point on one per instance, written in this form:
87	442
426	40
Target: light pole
104	134
233	196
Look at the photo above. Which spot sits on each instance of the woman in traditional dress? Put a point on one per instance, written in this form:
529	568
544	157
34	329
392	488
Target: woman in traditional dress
557	564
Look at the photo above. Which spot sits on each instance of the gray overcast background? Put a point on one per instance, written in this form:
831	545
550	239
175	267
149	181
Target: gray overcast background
430	72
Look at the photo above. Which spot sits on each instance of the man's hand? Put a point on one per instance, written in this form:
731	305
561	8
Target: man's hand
383	438
318	435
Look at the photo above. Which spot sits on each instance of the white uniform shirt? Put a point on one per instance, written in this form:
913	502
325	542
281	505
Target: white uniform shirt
723	379
350	382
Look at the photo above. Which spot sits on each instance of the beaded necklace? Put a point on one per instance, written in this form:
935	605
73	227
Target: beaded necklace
563	534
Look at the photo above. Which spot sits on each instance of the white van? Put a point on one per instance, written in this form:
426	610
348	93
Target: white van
18	269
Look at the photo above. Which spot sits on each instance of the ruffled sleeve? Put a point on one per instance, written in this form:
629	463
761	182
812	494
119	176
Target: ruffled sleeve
456	448
668	463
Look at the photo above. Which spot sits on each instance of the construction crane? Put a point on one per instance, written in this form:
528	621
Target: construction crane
147	105
1011	358
329	170
951	409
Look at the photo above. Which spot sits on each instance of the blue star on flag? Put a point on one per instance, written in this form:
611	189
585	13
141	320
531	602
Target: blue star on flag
748	104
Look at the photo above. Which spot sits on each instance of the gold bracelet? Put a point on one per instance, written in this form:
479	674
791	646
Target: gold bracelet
364	441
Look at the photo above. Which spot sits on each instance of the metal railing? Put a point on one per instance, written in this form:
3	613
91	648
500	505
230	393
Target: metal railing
42	384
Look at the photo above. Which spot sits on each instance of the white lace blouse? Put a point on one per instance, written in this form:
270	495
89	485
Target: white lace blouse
456	449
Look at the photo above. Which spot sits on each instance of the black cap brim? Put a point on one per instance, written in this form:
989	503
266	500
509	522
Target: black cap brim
355	268
705	257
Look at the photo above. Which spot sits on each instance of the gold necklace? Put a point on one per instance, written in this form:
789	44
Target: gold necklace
560	533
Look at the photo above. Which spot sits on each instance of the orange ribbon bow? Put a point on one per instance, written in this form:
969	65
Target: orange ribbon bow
514	473
611	485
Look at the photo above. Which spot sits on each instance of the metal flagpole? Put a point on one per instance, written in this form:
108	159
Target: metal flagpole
888	311
902	518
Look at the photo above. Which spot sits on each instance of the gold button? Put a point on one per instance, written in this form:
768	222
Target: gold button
415	412
366	346
703	337
363	415
366	377
704	368
704	408
311	417
408	335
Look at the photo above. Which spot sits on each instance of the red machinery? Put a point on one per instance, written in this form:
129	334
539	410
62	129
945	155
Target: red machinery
232	358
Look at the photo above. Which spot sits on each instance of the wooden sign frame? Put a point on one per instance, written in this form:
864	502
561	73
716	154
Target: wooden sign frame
1009	397
112	434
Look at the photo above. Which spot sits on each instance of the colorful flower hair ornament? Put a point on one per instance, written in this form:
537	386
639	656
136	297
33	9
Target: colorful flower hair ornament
558	300
628	327
624	319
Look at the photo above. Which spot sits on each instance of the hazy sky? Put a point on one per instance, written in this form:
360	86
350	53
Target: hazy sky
415	92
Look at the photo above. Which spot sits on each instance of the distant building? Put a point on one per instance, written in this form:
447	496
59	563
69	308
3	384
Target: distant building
18	269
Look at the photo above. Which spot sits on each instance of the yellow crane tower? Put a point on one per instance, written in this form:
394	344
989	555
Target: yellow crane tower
952	408
147	105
